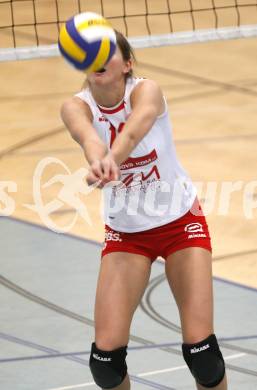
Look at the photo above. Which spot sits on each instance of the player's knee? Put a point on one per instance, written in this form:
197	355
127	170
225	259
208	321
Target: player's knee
108	368
205	361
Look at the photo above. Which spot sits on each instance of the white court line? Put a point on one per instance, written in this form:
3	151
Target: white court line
162	371
149	373
74	386
185	366
231	357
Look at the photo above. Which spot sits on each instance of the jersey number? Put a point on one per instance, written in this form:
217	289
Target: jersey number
127	180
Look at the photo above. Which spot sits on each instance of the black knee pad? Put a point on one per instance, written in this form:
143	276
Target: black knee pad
108	368
205	361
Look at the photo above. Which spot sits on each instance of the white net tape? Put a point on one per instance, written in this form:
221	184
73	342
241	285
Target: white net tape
178	38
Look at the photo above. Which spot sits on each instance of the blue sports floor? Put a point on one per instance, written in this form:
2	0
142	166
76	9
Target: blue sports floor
46	303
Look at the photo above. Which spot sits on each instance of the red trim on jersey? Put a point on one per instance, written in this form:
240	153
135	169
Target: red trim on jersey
113	134
112	110
133	162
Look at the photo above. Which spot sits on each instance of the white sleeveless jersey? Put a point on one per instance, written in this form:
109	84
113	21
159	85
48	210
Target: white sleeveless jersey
154	189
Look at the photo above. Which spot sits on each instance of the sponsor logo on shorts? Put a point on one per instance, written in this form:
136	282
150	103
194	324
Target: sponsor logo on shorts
112	236
201	235
102	359
203	348
194	227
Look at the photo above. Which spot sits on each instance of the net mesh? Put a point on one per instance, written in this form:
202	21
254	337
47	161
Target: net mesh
36	23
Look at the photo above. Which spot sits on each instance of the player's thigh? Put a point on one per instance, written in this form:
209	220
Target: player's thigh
189	272
122	280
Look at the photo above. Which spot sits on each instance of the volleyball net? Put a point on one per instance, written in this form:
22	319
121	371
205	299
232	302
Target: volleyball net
29	28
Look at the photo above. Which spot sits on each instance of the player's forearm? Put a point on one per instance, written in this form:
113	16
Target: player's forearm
123	145
78	119
94	150
137	126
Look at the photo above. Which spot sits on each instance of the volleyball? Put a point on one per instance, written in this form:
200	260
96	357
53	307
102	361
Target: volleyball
87	41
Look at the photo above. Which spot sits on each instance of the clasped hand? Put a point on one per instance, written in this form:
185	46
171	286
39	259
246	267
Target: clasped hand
103	171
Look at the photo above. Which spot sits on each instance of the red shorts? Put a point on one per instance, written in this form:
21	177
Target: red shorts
191	230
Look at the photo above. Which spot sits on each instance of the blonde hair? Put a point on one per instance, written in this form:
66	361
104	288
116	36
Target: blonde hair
126	50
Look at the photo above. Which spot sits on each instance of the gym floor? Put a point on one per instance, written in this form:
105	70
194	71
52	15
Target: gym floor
47	296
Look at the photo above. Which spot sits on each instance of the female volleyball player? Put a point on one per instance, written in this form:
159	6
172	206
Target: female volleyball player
122	124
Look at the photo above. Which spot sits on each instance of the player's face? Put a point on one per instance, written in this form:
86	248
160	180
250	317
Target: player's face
114	71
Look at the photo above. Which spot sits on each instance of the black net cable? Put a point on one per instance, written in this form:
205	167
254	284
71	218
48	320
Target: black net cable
192	14
146	18
17	17
169	14
102	8
35	22
237	12
132	15
79	6
57	14
12	26
215	14
125	16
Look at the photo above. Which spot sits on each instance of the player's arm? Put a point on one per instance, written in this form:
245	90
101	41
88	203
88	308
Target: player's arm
78	119
147	104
